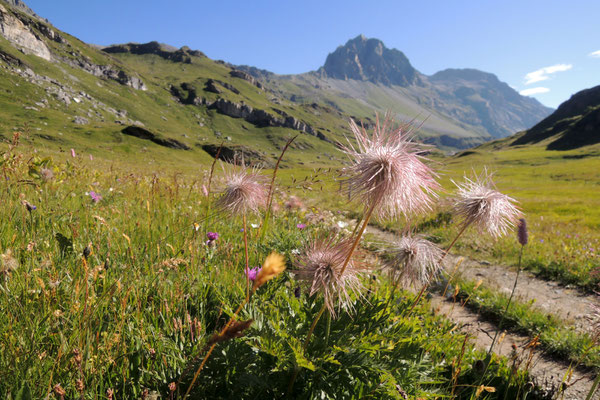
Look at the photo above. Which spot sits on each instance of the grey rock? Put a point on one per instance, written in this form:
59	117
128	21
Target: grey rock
21	35
80	120
245	76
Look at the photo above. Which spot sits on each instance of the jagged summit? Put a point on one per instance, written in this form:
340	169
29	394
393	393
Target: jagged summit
366	59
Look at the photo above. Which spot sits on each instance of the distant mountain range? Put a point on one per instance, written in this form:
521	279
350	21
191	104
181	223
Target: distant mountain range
157	95
464	106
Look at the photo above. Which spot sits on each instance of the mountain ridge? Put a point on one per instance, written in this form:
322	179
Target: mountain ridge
470	97
575	123
185	102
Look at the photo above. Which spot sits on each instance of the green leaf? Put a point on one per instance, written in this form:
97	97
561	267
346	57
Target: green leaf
24	393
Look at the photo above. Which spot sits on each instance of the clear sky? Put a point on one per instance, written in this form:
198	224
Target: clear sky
547	49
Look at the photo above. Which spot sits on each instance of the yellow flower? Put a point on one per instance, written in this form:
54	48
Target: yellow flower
273	266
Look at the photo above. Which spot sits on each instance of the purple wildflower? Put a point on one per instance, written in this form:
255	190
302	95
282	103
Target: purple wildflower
96	197
253	273
30	207
301	226
212	236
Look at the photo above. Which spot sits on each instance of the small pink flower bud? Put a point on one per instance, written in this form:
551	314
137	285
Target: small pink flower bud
522	234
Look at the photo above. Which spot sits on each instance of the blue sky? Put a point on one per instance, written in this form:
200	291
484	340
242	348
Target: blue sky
549	49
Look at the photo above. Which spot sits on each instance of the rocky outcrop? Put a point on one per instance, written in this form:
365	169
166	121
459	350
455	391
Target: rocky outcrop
186	93
183	55
480	99
245	76
145	134
11	60
22	6
212	85
365	59
108	72
21	35
262	118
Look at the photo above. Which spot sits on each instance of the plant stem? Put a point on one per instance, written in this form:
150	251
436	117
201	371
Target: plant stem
593	388
507	304
366	219
489	354
247	271
328	328
212	170
396	283
306	341
272	189
312	326
212	347
414	304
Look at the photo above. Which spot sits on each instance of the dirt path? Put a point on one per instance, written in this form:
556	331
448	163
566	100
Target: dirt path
569	305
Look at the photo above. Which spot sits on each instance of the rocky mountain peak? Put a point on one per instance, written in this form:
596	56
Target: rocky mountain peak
21	6
366	59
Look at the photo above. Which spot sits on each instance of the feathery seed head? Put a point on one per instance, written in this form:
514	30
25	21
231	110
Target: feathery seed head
479	203
320	264
244	192
415	259
387	170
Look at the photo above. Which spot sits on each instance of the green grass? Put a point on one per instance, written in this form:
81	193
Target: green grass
137	314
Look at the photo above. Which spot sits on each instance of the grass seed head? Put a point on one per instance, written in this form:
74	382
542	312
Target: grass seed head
388	172
479	203
320	265
522	234
235	330
415	259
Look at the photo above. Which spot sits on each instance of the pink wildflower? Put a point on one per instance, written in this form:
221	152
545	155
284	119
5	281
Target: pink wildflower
253	273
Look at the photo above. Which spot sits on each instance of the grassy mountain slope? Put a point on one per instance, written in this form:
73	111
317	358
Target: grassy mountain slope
68	94
45	97
575	123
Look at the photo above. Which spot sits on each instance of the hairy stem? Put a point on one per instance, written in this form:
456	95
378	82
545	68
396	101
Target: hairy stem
212	347
212	170
246	257
414	304
272	189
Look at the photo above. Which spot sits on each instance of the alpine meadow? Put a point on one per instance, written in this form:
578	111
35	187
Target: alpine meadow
178	227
